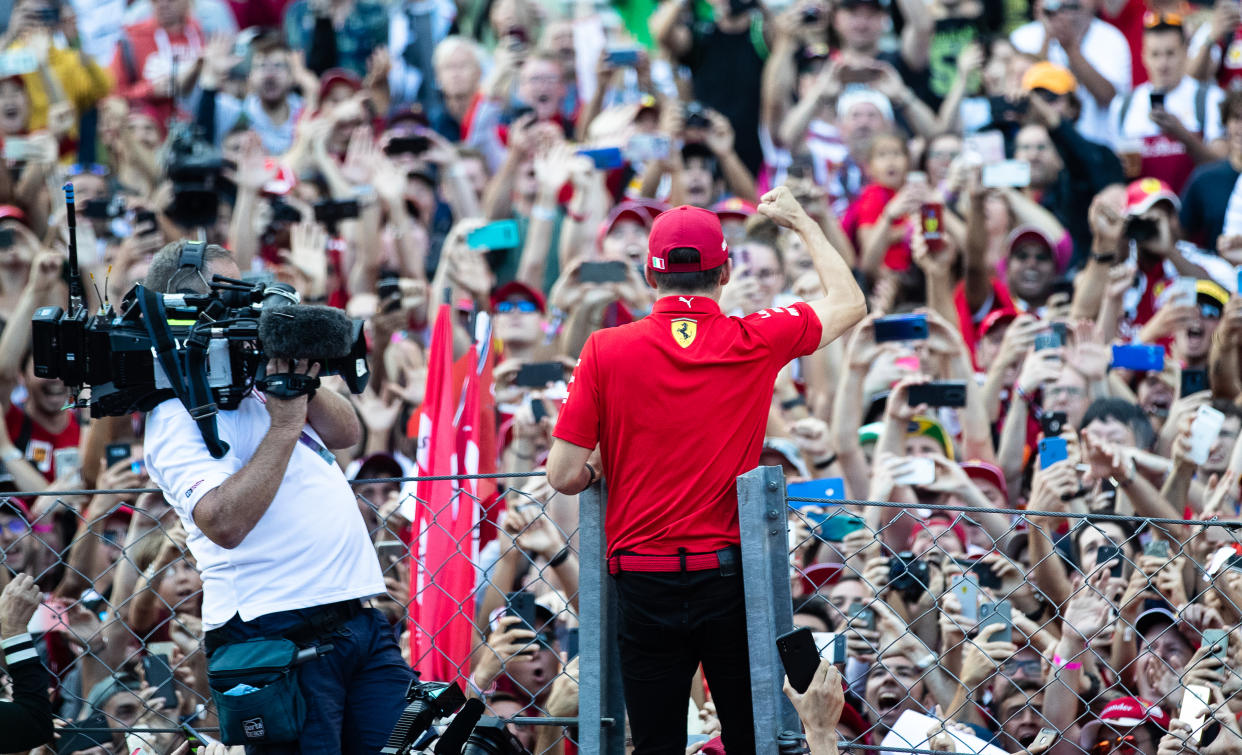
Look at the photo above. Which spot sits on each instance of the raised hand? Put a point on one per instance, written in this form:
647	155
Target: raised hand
779	205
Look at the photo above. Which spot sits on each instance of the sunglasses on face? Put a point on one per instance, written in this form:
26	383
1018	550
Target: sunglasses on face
1032	667
1124	745
523	306
1152	19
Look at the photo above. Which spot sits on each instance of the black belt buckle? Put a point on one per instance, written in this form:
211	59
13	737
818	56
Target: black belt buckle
729	561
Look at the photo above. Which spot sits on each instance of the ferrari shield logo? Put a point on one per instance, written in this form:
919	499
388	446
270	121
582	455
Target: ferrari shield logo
684	331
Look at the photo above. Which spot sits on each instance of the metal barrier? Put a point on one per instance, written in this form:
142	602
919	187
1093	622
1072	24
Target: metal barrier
128	545
1098	611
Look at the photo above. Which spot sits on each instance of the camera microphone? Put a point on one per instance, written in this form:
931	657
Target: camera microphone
306	331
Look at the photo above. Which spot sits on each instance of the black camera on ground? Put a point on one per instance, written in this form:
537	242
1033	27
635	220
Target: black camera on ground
468	733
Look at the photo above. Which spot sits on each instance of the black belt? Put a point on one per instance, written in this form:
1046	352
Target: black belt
317	622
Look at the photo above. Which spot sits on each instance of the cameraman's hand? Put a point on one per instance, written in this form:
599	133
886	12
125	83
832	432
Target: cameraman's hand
288	414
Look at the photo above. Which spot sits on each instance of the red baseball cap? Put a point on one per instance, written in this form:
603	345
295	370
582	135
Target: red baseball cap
734	206
1145	192
686	227
518	288
819	575
334	76
982	470
950	524
1132	711
1001	316
12	211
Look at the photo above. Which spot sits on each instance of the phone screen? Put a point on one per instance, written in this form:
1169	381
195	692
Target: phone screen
522	605
996	613
116	453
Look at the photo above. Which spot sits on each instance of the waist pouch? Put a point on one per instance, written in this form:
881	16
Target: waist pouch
255	687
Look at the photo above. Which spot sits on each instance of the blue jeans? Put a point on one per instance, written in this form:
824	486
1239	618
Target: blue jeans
354	693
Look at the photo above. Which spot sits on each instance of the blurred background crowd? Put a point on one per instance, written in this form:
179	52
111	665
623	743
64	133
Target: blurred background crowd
1051	190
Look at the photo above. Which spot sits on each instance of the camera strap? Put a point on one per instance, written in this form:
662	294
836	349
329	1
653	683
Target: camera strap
191	389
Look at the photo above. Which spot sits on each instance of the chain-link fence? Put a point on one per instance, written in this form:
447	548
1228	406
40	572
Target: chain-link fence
956	628
978	629
120	624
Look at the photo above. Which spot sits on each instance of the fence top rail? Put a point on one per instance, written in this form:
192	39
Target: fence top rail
1214	522
359	481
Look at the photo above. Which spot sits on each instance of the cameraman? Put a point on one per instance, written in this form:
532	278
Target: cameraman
279	540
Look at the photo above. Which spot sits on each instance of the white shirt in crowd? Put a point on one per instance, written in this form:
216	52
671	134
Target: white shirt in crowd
1104	47
310	547
1178	101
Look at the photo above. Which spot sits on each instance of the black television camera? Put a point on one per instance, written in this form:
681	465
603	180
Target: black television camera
468	733
206	349
194	167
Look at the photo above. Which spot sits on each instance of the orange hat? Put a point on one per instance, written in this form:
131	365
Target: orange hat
1050	76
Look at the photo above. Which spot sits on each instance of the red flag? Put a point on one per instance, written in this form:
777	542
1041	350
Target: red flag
442	581
490	500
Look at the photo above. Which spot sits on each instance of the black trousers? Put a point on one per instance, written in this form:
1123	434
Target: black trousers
669	624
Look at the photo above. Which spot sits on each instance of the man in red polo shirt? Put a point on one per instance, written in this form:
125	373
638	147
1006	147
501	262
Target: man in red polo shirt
677	404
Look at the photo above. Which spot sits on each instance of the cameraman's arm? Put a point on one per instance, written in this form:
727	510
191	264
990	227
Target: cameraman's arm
228	512
334	418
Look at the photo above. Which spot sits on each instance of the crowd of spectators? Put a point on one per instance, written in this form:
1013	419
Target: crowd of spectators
1042	181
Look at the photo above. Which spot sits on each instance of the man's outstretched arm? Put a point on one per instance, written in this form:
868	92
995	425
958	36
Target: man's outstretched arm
843	304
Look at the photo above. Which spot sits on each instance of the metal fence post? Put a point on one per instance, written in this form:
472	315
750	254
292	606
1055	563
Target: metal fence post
600	695
769	607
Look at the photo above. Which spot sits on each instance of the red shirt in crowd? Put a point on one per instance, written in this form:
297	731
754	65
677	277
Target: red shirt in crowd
678	403
264	13
867	210
153	56
1129	21
42	445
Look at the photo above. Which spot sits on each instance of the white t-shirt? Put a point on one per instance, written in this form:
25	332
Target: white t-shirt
310	547
1163	156
1104	47
1178	101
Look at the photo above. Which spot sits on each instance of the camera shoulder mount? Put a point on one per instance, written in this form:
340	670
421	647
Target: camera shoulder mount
190	388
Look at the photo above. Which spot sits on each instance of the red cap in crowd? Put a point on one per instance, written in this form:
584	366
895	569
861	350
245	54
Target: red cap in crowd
944	520
334	76
1132	711
518	288
1145	192
686	227
12	211
982	470
1029	234
820	575
1001	316
734	207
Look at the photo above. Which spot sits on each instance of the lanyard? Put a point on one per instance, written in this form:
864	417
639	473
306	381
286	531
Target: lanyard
314	445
